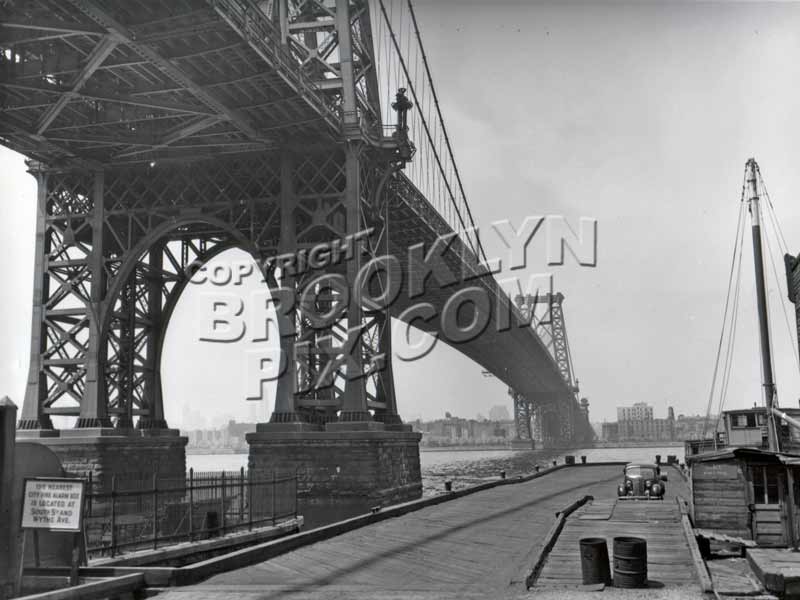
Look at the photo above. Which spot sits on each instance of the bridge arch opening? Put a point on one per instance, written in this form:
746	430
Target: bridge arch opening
154	355
206	382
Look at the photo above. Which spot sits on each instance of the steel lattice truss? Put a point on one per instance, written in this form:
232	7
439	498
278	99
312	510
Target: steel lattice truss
95	83
109	310
162	133
558	422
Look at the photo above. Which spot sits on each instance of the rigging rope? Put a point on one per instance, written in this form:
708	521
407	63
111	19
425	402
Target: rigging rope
726	372
781	239
730	346
737	244
781	302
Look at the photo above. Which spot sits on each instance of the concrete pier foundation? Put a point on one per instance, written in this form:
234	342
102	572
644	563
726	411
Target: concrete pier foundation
341	464
109	452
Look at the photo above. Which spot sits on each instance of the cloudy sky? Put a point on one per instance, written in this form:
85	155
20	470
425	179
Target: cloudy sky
639	115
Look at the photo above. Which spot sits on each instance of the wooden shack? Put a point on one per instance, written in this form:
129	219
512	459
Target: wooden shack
747	493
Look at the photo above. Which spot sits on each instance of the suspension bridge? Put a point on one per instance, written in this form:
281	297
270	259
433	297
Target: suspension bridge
164	133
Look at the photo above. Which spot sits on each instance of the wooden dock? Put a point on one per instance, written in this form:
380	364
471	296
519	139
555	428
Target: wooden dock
669	558
478	546
778	569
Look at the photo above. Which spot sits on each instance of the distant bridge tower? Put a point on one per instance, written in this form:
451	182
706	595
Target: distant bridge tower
567	420
523	416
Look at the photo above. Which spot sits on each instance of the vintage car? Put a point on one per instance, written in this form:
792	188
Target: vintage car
643	481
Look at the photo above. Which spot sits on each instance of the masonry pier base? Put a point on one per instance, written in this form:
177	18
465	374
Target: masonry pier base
367	463
108	452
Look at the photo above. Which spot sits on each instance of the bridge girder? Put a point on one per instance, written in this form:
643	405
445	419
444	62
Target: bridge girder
162	137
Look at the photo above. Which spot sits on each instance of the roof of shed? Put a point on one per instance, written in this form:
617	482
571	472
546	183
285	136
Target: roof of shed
747	455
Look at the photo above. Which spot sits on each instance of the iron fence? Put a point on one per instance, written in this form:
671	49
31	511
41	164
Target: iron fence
140	511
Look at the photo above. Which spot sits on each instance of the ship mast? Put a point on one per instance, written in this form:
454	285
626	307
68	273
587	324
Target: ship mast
768	382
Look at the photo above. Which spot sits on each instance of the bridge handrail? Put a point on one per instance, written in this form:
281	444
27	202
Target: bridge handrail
249	21
434	219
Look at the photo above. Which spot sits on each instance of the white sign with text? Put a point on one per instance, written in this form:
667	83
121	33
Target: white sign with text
53	504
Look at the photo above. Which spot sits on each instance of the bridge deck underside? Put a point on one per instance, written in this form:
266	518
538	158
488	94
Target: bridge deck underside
514	354
92	83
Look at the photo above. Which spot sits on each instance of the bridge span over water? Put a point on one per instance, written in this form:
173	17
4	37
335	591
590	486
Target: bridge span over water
162	133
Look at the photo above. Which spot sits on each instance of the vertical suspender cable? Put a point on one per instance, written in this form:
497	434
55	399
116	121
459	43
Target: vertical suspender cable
441	121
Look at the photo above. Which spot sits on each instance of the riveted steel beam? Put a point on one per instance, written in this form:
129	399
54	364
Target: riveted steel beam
93	61
114	27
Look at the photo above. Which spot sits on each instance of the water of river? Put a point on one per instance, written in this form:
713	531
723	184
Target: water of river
468	467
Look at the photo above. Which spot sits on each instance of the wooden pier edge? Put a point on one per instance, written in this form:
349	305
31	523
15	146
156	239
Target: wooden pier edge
190	574
551	538
699	564
112	587
197	572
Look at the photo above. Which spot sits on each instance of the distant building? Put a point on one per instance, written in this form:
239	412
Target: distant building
230	437
641	411
694	427
455	431
499	413
610	432
636	423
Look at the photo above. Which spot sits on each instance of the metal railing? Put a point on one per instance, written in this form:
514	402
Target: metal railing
250	22
142	511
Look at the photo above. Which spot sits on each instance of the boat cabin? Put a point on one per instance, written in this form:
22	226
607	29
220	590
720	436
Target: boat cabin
747	493
747	427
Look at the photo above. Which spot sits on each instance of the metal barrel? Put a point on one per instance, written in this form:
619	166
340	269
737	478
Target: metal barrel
672	459
570	460
630	562
594	561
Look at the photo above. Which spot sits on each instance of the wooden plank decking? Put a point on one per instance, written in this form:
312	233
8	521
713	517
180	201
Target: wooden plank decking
669	559
777	568
481	545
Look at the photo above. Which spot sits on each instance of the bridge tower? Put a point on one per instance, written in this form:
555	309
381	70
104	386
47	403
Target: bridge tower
523	417
161	136
563	420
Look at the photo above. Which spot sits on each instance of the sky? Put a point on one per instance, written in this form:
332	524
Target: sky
639	115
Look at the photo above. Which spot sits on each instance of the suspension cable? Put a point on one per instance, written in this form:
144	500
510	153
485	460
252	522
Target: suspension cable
416	100
441	122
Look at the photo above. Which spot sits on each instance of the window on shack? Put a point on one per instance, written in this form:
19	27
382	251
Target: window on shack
766	482
745	420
